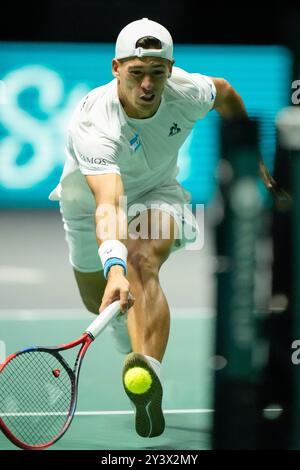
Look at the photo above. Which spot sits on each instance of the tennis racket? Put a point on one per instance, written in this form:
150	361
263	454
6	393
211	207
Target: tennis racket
38	388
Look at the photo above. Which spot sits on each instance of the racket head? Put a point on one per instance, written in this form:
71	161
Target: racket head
38	394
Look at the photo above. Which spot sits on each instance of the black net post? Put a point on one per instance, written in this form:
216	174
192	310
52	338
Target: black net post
236	418
288	122
277	393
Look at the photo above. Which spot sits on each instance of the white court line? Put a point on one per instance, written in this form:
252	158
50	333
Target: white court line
81	314
21	275
168	412
123	412
109	413
183	411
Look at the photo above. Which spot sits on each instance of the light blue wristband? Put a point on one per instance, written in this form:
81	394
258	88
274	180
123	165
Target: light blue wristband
113	262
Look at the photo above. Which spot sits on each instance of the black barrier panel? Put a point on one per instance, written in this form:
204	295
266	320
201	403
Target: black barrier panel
295	298
237	408
277	391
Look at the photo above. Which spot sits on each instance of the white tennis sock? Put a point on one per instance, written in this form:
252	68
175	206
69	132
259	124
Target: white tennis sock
156	365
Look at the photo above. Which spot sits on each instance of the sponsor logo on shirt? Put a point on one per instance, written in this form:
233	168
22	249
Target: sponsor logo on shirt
174	129
135	142
94	161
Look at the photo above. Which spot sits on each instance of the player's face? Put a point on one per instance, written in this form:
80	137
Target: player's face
141	82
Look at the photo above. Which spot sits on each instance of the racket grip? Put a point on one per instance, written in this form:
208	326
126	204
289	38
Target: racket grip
103	319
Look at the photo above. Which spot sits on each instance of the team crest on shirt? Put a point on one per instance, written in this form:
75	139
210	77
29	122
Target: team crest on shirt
135	142
174	129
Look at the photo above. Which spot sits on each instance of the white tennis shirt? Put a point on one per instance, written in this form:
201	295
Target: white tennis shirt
103	139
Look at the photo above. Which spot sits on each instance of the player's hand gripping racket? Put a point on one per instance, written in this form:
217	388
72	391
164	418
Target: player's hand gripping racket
38	388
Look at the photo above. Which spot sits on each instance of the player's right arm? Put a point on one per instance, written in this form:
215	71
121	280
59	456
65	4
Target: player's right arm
111	229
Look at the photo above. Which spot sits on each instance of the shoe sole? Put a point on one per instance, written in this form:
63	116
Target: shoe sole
149	418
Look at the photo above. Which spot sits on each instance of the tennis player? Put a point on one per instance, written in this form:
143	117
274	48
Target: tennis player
122	208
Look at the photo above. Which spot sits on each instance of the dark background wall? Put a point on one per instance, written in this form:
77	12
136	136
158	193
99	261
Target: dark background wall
189	20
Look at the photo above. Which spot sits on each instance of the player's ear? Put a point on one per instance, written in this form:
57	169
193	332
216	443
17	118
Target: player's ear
115	68
170	68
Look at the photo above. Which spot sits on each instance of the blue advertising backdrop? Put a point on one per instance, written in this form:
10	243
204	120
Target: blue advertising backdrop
41	84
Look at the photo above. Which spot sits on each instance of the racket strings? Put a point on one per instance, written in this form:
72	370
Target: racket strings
36	396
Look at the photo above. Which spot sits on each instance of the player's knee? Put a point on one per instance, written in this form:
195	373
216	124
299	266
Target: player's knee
143	262
147	258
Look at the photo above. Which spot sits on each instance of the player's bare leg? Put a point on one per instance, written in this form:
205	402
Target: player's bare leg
149	318
148	325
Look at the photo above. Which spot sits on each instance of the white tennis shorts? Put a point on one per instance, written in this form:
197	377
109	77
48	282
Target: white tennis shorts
77	206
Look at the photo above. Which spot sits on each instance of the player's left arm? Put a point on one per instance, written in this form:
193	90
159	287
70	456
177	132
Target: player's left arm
229	104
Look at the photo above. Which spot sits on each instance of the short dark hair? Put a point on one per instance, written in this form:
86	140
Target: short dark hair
146	42
149	42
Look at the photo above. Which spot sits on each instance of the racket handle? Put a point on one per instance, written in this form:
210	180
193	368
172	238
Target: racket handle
103	319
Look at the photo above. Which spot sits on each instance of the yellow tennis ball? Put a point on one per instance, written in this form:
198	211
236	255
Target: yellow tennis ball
137	380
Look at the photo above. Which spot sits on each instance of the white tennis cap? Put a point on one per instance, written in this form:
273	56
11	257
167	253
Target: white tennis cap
128	37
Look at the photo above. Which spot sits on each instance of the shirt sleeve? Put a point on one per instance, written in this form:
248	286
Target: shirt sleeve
95	154
207	92
197	90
